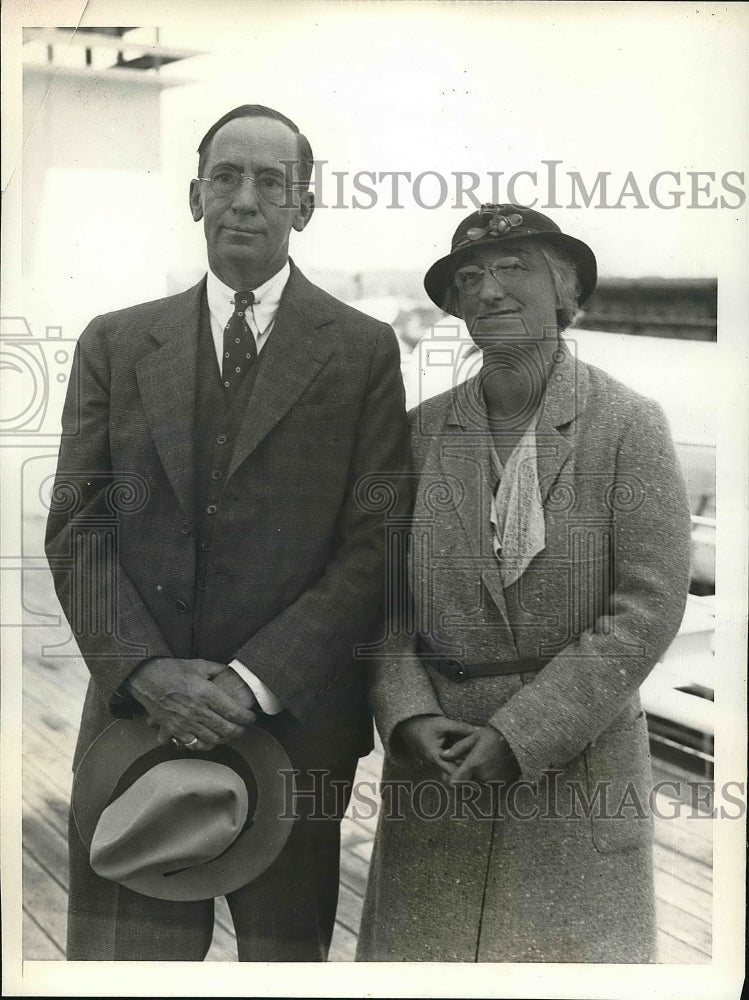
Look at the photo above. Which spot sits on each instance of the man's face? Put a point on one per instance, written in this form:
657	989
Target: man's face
511	306
247	237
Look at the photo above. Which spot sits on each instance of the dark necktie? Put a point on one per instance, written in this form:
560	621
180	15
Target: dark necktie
240	350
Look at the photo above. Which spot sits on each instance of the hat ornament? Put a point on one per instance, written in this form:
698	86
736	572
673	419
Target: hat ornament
497	224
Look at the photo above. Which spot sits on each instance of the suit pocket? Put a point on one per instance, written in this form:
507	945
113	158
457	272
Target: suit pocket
619	780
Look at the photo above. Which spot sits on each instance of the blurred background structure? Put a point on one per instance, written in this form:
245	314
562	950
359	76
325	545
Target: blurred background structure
111	120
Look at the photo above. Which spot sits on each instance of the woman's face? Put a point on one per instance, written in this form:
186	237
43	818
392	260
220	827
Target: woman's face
508	300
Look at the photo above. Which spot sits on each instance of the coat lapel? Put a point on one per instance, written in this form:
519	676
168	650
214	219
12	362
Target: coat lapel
166	378
292	357
464	454
564	399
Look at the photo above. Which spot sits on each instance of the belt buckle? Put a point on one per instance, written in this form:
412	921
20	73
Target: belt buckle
454	670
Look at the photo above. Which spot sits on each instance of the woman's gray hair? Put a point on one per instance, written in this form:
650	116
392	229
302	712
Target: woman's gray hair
566	285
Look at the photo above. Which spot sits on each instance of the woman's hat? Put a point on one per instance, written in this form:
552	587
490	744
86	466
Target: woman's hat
495	225
178	824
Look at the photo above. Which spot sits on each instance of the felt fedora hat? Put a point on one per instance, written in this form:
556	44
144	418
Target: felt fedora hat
497	225
177	824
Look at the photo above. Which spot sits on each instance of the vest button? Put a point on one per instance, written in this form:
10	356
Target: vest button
216	474
211	508
222	439
184	528
181	607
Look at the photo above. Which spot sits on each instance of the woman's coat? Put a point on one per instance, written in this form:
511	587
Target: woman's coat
565	873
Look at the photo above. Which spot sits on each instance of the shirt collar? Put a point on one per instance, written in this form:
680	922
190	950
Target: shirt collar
267	297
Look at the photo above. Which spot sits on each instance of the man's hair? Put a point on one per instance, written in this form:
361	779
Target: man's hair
563	274
260	111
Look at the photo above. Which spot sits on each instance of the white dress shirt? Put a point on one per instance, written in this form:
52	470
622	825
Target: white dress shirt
260	319
261	315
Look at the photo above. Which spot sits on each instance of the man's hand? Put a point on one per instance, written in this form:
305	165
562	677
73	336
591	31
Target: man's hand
232	685
428	736
484	755
184	700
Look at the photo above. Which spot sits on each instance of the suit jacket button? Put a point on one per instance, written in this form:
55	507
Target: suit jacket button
222	439
184	528
211	508
181	607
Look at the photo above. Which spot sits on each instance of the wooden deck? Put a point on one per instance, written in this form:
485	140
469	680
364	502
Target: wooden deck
52	699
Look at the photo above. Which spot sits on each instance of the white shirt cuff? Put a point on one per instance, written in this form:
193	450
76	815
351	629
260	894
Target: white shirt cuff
267	701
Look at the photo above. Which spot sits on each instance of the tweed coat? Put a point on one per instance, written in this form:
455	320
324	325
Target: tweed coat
295	571
563	872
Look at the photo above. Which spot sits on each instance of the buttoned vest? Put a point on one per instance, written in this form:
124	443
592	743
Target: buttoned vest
216	427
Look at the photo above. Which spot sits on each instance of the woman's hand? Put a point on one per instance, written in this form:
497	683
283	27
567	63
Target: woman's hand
483	755
429	736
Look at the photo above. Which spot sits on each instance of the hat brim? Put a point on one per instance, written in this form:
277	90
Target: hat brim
255	849
440	275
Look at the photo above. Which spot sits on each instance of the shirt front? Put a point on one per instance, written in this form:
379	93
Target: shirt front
260	317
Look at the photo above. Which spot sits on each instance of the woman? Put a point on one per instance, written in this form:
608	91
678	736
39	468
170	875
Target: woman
549	560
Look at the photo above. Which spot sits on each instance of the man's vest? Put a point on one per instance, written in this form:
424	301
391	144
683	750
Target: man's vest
216	426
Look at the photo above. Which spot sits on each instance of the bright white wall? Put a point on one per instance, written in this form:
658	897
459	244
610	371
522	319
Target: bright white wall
93	216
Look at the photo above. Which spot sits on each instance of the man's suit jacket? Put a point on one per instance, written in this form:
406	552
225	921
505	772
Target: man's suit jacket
295	575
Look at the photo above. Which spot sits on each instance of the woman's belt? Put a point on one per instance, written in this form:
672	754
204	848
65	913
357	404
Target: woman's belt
457	670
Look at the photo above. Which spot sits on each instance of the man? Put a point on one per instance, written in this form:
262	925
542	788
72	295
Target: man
242	414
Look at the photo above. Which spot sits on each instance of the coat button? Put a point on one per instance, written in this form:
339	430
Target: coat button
184	528
211	508
222	439
216	474
181	607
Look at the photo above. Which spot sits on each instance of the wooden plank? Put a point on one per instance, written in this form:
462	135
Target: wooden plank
671	951
349	909
685	928
353	872
49	704
38	946
224	944
47	846
690	837
46	902
42	796
343	945
673	889
363	850
690	871
45	694
53	767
